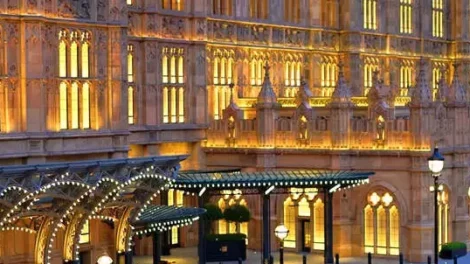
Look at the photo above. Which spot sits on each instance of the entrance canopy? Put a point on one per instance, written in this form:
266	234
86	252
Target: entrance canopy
159	218
266	179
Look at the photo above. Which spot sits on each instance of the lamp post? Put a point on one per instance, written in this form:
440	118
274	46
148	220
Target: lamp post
281	232
105	259
436	164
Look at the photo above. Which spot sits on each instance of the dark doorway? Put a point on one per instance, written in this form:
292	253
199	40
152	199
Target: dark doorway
306	232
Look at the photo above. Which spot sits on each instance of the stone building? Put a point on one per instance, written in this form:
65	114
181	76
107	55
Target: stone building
351	85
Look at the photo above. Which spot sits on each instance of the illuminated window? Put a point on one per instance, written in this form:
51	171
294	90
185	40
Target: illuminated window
292	11
443	217
381	225
370	14
257	71
174	93
292	75
290	223
406	16
129	2
179	198
130	63
304	207
175	235
223	69
176	5
130	105
328	74
437	71
85	233
85	105
75	94
406	78
222	7
438	18
233	198
370	66
63	105
259	9
318	225
222	224
171	197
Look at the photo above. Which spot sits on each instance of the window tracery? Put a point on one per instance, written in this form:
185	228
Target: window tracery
406	77
370	14
438	18
173	79
370	66
292	75
406	16
329	75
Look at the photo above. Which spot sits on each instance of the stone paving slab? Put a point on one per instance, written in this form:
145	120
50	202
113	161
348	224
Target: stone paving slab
189	256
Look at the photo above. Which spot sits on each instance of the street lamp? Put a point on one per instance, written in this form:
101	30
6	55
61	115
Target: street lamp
281	232
105	259
436	164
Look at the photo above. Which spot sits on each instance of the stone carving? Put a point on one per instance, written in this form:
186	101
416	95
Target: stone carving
173	27
260	34
303	129
278	35
13	5
31	6
101	6
223	31
74	8
152	26
295	37
201	29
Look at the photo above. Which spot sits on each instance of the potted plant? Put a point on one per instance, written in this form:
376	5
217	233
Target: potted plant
229	247
213	213
453	249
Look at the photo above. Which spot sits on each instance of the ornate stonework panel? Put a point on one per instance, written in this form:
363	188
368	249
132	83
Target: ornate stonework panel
74	9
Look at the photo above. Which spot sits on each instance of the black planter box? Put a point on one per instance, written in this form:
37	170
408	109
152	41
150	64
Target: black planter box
450	254
217	251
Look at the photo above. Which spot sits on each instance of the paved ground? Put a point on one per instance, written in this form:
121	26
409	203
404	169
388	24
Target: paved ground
189	256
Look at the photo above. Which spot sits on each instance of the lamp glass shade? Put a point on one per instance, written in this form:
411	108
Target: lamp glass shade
436	162
281	231
105	259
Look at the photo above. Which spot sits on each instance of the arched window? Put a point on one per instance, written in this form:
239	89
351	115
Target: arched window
85	233
130	105
438	18
130	88
406	78
381	225
304	207
370	66
370	14
406	16
85	105
329	13
175	5
292	75
318	225
328	76
173	93
289	222
74	99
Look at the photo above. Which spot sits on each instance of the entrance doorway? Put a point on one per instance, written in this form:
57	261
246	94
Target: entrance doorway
306	232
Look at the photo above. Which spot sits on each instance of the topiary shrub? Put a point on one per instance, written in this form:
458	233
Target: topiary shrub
238	214
213	213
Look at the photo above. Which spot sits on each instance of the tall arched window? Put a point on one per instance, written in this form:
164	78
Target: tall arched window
318	225
438	18
257	70
328	75
74	95
130	88
370	66
406	77
406	16
130	104
437	71
85	233
381	224
292	75
370	14
289	222
173	78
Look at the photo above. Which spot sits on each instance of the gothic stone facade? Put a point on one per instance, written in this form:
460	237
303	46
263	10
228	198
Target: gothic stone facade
107	79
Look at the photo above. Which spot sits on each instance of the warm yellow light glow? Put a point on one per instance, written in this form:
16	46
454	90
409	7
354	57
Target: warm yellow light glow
85	53
436	76
369	230
173	69
222	224
181	105
171	197
173	105
129	2
290	223
165	69
176	5
74	105
259	73
180	70
86	105
394	231
381	231
304	207
370	14
74	59
130	67
130	105
387	199
216	70
374	199
443	218
230	71
62	59
253	66
63	105
406	16
174	235
438	18
85	233
318	225
165	105
368	74
222	71
405	79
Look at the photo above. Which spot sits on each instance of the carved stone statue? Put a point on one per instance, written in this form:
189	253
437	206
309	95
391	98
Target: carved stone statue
303	128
